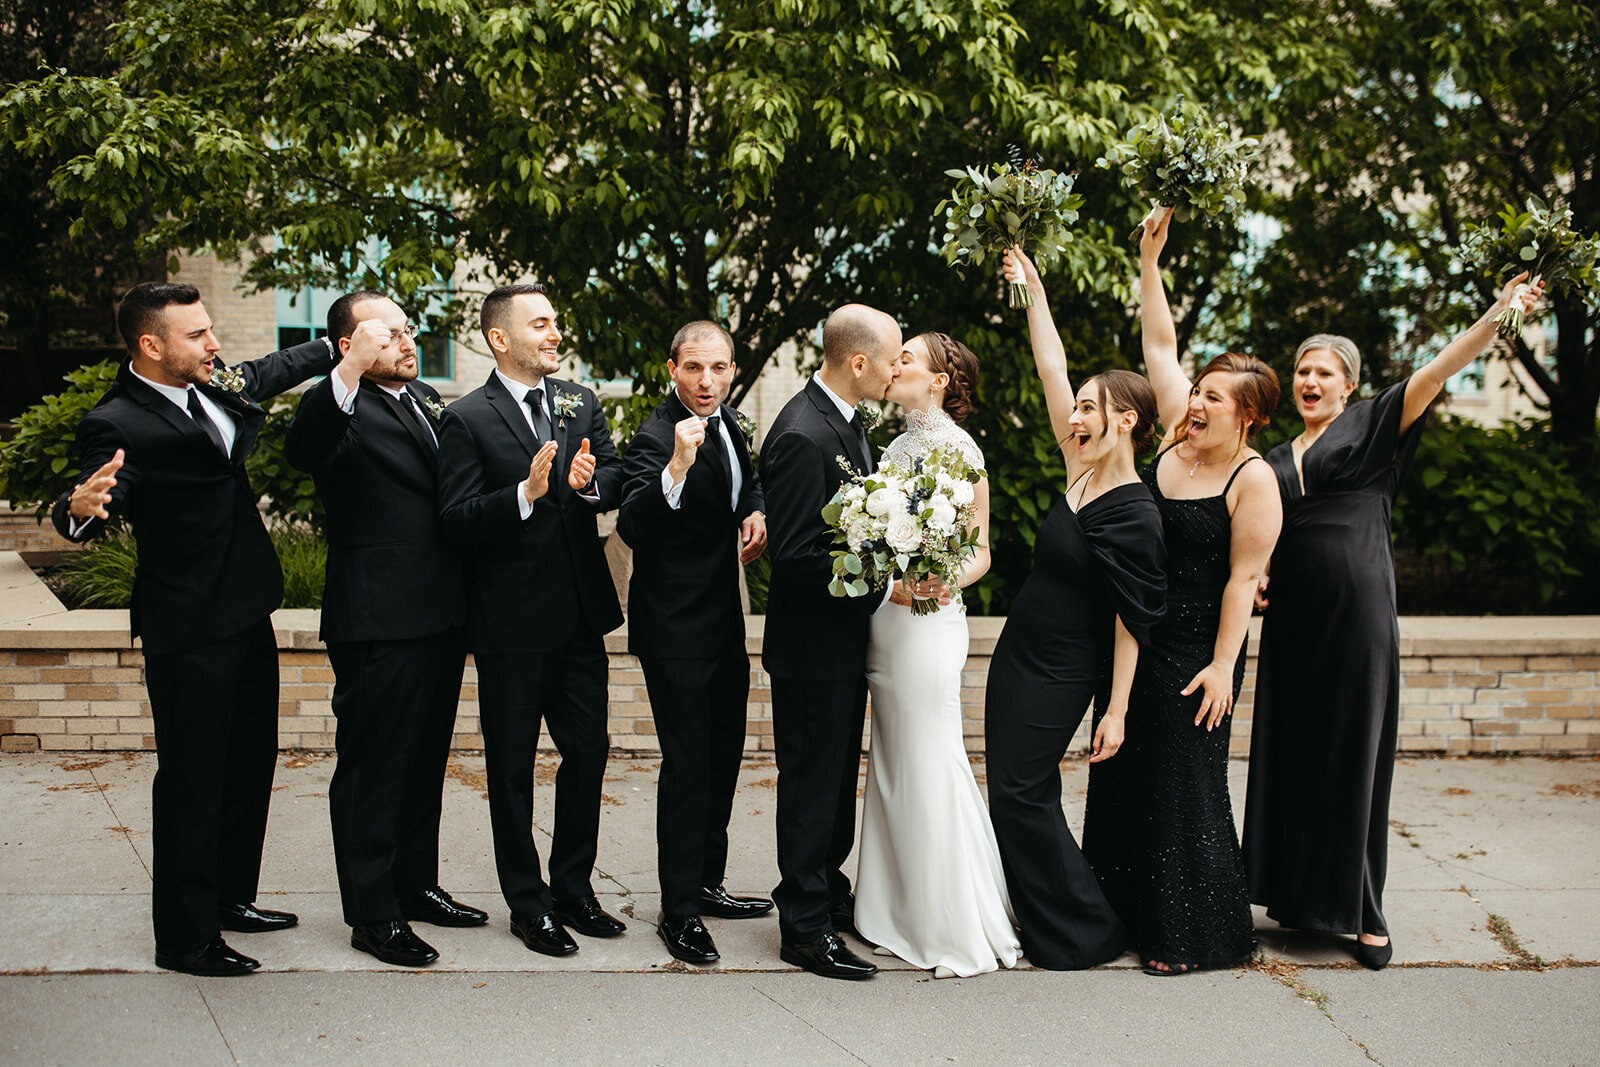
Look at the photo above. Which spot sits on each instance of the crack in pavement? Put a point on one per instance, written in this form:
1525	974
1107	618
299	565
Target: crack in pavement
807	1022
106	796
225	1042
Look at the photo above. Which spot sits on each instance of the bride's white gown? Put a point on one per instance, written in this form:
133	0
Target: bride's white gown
929	886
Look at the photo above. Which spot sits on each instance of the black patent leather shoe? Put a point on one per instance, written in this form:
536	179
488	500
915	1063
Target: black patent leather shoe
827	956
688	939
543	934
393	942
843	915
437	907
249	919
214	959
588	918
720	904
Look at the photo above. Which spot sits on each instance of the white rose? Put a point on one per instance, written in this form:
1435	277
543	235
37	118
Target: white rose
962	494
882	501
856	534
943	518
902	533
856	494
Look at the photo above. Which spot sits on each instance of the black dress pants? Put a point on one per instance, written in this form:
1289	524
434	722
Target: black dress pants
699	707
816	727
566	688
396	706
216	723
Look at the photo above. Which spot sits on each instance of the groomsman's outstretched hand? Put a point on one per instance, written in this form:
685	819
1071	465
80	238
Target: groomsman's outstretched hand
538	483
581	472
90	498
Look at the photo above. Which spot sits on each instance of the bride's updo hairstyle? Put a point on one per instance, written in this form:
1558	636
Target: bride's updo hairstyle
1123	390
946	355
1255	390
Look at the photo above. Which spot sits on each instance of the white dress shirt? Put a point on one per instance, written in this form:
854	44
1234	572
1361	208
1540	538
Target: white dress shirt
519	393
179	395
345	398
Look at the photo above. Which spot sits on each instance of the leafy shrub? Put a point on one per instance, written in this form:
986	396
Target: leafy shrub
101	576
41	461
1500	519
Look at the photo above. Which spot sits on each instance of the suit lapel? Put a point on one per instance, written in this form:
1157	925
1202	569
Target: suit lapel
840	425
408	419
558	431
510	411
166	410
248	417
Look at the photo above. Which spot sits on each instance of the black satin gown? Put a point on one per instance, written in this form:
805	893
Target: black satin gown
1052	659
1327	699
1159	825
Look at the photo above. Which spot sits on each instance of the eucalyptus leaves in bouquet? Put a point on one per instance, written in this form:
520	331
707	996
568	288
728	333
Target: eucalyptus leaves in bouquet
1190	162
903	522
1014	203
1542	242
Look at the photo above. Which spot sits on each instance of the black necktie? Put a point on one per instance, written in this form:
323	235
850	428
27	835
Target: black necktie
861	438
716	444
198	412
416	413
534	398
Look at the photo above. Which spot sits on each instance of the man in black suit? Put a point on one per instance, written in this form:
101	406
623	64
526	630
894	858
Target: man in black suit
692	510
525	465
392	615
165	448
815	646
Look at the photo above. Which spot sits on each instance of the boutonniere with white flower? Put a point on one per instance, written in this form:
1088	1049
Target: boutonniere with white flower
229	379
566	405
747	425
433	407
869	415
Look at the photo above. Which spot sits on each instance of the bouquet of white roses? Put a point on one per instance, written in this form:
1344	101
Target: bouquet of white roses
1189	162
902	523
1015	204
1542	242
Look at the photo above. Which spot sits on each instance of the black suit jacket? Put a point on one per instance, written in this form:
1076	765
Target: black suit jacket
391	574
810	634
683	599
206	569
528	582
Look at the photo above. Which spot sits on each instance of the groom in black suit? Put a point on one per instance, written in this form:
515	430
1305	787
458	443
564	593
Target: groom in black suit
392	617
525	465
815	647
165	449
692	511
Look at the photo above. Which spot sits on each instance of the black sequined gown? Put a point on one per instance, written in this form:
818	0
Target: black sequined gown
1158	827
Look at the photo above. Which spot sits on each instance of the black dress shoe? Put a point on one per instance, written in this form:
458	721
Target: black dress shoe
1375	957
843	915
393	942
249	919
828	956
543	934
588	918
214	959
688	939
439	908
720	904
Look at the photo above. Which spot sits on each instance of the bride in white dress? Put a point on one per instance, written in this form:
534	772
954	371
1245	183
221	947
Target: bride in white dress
930	888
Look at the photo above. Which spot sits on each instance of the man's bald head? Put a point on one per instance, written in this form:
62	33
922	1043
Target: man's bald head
856	329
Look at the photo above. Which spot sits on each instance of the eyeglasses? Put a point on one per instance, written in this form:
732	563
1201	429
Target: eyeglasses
410	329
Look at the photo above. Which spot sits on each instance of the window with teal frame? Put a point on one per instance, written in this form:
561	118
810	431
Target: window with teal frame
303	314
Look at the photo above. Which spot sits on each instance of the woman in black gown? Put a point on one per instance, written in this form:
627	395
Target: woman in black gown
1160	833
1072	636
1331	734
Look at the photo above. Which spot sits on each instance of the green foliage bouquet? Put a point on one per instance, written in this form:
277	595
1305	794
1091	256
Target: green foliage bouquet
1540	241
1189	162
909	522
1014	204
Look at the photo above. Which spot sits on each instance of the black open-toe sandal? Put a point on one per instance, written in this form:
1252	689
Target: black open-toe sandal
1172	971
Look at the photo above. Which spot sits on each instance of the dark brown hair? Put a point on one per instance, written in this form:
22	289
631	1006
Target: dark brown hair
342	312
497	307
1255	391
144	309
946	355
1123	390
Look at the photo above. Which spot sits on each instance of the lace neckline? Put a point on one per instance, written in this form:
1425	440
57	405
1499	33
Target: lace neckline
933	419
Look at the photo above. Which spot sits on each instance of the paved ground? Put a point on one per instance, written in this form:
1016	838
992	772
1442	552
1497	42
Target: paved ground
1493	890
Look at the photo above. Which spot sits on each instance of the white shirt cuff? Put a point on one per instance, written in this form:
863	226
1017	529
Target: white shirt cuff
343	395
673	493
524	505
75	527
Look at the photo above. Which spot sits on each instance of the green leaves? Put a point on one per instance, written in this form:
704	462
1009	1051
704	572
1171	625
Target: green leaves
988	211
1192	163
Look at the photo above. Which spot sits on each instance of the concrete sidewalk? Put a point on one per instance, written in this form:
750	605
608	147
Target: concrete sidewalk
1494	884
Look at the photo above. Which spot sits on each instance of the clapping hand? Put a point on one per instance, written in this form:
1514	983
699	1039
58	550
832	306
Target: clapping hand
90	497
581	472
687	437
1216	681
538	483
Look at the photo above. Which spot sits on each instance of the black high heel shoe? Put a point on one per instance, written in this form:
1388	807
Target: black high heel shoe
1374	957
